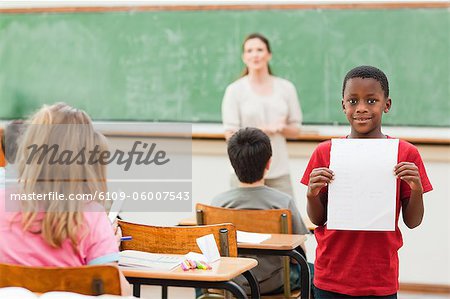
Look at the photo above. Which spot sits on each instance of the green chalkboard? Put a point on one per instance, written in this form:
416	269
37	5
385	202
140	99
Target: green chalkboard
175	65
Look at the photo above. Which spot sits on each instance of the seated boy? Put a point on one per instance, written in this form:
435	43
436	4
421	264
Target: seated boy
8	151
250	154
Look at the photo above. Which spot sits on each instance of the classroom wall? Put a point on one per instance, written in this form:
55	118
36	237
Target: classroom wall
425	255
424	258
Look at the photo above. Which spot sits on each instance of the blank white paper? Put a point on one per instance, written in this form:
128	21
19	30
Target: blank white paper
141	259
115	209
362	195
255	238
208	247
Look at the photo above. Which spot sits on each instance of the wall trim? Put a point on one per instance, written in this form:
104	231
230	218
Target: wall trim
425	288
77	9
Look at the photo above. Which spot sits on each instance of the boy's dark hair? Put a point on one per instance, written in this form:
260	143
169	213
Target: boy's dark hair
249	151
367	71
11	134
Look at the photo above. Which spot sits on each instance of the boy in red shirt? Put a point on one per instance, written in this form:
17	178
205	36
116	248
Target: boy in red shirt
362	264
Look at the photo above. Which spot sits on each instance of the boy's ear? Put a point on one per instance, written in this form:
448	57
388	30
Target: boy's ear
343	106
268	163
388	105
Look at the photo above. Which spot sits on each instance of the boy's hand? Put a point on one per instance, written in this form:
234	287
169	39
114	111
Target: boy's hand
319	178
409	173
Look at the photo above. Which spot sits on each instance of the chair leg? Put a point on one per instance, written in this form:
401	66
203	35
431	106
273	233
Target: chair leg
97	287
137	290
287	277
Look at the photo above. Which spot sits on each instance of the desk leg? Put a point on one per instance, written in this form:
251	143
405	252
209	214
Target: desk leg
231	286
235	289
137	290
254	286
164	291
305	275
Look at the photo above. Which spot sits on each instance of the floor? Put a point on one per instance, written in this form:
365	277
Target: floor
152	292
422	296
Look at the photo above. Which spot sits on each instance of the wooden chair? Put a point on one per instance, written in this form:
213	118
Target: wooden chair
274	221
178	240
87	280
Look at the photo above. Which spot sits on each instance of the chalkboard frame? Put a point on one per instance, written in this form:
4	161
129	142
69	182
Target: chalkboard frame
342	6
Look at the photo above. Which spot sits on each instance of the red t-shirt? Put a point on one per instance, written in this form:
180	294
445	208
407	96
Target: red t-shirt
361	263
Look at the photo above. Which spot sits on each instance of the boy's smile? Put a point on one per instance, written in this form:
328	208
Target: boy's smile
363	104
362	120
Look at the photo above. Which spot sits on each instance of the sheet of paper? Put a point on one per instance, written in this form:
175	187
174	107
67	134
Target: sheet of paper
16	292
246	237
22	293
195	256
362	195
208	246
115	209
68	295
140	259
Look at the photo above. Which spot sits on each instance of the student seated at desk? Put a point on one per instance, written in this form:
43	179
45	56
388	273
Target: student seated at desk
10	143
250	154
61	233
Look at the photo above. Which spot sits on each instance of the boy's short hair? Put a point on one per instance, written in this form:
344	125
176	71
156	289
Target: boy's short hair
367	71
10	140
249	151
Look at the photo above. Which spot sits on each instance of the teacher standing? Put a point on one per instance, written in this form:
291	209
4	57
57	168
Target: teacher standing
260	99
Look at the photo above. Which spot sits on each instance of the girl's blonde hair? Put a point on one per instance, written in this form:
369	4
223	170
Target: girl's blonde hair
71	131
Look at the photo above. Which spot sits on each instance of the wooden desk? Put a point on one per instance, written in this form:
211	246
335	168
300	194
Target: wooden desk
309	225
278	245
219	277
191	221
276	242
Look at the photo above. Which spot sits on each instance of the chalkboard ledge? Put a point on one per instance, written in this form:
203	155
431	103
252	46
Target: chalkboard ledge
415	135
313	133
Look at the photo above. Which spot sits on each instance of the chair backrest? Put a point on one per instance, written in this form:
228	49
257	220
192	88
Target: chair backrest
87	280
177	239
274	221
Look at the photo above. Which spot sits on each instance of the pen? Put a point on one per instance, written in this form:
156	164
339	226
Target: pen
126	238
